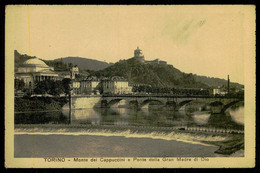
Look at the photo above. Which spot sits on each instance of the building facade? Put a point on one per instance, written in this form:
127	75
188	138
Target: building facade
89	85
75	87
116	85
33	70
219	91
74	71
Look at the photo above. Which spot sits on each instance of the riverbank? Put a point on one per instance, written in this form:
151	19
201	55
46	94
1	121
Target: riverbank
230	146
226	143
23	104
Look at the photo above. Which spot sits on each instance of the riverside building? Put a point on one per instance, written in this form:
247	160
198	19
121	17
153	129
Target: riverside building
89	85
116	85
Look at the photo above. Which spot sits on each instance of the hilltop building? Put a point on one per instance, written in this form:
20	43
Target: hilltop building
163	62
156	61
138	55
116	85
33	70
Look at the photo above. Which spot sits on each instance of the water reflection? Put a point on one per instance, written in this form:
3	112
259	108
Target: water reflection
151	116
201	118
238	115
56	117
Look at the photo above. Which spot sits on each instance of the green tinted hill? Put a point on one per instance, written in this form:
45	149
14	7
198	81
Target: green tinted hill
215	82
85	63
19	59
161	75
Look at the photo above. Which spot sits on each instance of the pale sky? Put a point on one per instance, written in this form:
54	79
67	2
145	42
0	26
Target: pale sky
204	40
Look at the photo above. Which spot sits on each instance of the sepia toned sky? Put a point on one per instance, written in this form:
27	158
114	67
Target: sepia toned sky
205	40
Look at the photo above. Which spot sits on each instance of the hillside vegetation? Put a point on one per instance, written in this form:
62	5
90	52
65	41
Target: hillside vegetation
160	75
213	82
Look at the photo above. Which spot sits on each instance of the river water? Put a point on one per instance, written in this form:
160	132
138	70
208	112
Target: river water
156	116
150	143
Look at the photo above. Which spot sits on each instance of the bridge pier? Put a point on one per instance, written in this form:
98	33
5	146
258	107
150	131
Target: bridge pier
216	109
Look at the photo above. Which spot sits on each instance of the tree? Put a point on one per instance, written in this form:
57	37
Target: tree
56	88
99	87
41	87
66	85
70	65
19	84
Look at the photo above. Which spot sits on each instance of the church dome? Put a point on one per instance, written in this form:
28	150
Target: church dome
35	62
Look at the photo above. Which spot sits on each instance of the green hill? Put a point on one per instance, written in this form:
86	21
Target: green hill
214	82
85	63
19	59
160	75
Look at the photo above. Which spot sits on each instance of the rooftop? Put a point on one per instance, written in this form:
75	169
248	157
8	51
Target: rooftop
35	62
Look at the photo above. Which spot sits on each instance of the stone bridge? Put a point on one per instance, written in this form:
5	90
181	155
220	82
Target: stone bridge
219	104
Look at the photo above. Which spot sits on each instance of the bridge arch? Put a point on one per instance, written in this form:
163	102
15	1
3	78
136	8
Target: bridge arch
133	103
115	101
148	101
182	104
104	103
225	107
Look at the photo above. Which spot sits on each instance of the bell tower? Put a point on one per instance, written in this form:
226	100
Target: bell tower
138	54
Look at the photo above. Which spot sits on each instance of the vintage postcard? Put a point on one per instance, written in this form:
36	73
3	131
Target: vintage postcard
122	86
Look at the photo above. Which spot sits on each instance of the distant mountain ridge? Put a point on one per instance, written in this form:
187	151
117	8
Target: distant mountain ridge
213	82
85	63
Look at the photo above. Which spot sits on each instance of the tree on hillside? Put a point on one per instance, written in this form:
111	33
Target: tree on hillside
70	65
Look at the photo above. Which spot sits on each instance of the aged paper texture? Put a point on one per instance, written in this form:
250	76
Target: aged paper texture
162	86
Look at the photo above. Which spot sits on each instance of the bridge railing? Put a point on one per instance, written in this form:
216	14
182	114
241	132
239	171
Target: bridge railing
170	96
